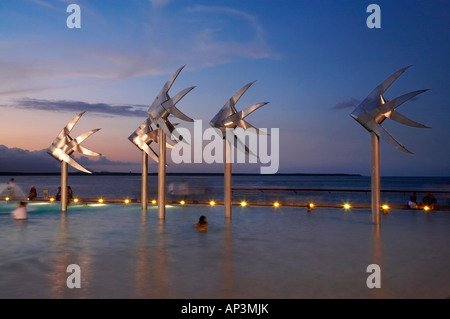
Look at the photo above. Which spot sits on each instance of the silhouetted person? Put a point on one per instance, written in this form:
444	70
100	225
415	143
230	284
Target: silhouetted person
412	203
58	194
33	193
69	193
429	200
202	224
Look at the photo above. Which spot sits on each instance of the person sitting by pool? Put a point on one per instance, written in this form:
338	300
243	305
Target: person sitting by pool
33	193
429	200
69	192
20	213
202	224
58	194
412	203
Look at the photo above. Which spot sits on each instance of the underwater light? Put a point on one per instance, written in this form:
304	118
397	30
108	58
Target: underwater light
76	200
212	203
100	200
426	208
347	206
276	204
52	199
126	201
182	202
243	203
154	201
7	198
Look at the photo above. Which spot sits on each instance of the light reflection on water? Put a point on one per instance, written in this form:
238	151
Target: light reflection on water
263	252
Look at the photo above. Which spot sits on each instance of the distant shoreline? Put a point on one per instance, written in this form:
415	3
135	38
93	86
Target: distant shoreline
169	174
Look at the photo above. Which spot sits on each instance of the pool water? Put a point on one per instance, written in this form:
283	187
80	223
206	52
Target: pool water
263	252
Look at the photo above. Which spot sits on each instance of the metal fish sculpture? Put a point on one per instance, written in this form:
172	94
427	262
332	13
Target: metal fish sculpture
64	145
158	114
229	118
371	112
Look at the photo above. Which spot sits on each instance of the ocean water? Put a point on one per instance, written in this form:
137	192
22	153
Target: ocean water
315	188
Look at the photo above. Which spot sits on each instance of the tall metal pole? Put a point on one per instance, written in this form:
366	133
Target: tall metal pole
144	186
64	186
227	178
162	175
375	177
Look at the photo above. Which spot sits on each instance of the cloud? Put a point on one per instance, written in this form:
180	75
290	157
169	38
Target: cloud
154	43
43	4
214	41
159	3
24	161
19	160
79	106
350	102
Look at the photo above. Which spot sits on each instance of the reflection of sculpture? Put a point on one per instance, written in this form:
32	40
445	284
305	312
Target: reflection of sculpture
370	114
375	109
158	114
63	146
61	149
226	120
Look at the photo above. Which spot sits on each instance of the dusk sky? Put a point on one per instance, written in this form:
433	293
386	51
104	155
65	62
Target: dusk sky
313	61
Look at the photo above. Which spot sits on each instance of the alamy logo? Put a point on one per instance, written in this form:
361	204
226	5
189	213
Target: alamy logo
74	19
374	279
74	279
374	19
251	147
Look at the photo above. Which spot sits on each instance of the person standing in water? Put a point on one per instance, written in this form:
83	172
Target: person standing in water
20	213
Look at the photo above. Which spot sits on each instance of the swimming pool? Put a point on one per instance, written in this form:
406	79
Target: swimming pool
263	252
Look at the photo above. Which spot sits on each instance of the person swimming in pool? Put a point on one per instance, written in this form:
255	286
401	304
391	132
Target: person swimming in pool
20	213
202	224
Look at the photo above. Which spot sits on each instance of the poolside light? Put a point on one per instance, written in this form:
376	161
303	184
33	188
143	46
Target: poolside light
347	206
100	200
225	121
182	202
75	200
7	198
126	201
276	204
212	203
154	201
243	203
426	208
62	147
310	207
52	199
370	113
